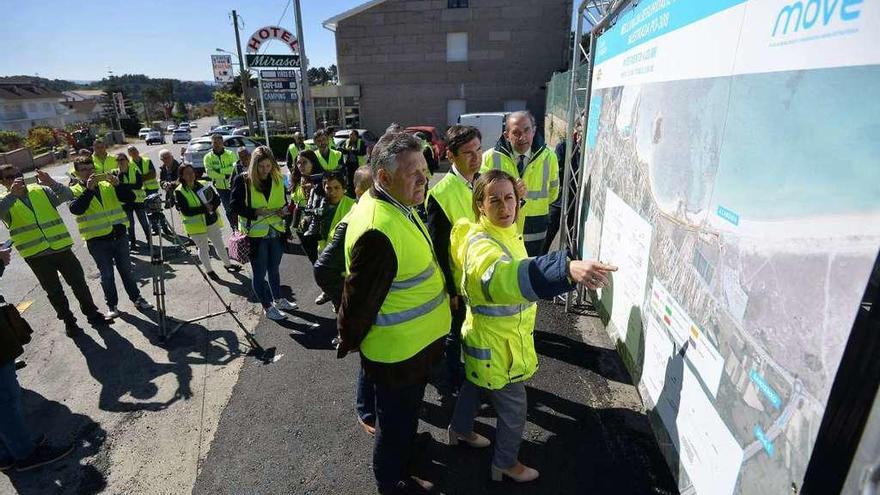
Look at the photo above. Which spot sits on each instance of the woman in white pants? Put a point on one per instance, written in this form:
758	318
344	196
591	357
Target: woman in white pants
198	203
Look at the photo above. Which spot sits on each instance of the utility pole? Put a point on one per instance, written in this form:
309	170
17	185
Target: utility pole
245	90
304	71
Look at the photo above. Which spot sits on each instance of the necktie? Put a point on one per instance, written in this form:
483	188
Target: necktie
521	164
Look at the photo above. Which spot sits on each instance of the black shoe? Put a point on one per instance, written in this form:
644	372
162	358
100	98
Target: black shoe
20	364
72	329
6	464
43	455
99	319
213	276
410	486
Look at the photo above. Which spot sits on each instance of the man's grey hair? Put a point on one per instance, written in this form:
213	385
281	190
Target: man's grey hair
165	152
389	148
394	127
520	114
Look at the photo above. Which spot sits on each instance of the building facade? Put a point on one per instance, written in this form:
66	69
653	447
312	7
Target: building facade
24	105
425	62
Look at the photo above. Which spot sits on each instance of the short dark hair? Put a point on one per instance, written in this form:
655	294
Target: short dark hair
319	133
331	176
460	135
81	160
9	166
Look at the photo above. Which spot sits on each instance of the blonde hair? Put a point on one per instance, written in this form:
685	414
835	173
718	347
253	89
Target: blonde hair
260	154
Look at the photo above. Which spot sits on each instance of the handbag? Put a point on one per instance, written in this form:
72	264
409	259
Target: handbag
11	319
238	246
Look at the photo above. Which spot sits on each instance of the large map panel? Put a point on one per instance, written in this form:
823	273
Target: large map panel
745	137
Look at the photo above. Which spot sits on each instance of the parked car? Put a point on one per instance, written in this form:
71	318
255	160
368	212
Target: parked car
222	132
241	131
142	134
198	148
180	135
437	141
368	137
193	125
185	125
155	137
490	124
171	128
225	127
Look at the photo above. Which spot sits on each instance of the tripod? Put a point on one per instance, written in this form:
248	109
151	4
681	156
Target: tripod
157	261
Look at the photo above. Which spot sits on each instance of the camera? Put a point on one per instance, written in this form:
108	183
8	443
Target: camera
154	203
311	221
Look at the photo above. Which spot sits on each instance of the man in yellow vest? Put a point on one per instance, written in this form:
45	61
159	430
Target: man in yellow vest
41	238
220	165
104	162
297	146
328	158
102	223
449	201
394	305
523	155
134	208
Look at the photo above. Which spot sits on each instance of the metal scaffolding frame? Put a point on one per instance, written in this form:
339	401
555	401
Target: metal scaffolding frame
596	16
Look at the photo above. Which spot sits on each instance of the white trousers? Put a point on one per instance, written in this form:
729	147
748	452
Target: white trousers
216	238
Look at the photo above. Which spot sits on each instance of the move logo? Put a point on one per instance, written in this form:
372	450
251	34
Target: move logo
806	15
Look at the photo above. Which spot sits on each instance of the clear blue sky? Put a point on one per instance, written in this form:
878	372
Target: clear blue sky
159	38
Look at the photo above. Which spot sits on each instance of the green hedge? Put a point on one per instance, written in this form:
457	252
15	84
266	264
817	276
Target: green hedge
278	143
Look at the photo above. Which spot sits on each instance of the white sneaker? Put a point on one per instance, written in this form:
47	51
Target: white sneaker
274	314
113	313
285	305
142	304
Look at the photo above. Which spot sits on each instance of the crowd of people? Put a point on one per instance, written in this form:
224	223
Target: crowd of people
422	279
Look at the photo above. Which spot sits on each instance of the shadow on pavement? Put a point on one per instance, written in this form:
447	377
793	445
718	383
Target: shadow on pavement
602	361
61	425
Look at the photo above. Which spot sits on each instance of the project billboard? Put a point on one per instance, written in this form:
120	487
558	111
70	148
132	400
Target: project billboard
732	173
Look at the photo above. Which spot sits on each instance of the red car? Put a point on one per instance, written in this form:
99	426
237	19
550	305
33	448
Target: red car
436	141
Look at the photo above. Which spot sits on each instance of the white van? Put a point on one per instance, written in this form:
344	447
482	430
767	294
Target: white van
490	124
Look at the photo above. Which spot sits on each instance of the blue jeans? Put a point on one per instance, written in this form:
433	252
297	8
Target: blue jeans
265	262
107	254
141	214
397	410
226	199
366	399
16	442
510	406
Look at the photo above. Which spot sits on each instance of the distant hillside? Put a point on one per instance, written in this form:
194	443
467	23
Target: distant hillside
134	86
53	84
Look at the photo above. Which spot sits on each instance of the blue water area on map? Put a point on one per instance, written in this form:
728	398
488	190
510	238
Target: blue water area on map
765	388
762	438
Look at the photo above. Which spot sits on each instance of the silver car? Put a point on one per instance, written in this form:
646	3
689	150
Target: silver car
198	148
180	135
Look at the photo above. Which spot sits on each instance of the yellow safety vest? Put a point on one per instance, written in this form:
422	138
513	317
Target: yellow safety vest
130	177
101	215
498	331
260	227
38	228
455	197
345	205
298	196
219	169
104	166
195	224
332	162
145	167
294	151
541	176
362	160
415	311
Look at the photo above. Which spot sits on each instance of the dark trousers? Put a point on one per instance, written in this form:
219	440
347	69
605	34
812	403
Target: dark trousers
366	398
309	244
552	228
138	211
454	366
16	442
107	254
47	267
266	255
226	199
397	410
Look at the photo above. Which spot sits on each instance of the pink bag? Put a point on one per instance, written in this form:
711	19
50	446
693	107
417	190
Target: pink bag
238	247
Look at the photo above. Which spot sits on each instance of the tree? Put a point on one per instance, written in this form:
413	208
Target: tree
334	74
319	76
229	104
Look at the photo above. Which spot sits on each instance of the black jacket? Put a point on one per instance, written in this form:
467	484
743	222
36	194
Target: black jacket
330	265
184	207
10	348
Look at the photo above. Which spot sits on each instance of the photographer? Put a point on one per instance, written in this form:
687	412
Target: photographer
132	177
19	449
198	202
102	224
335	206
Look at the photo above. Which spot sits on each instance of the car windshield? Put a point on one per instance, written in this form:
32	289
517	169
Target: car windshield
200	146
181	131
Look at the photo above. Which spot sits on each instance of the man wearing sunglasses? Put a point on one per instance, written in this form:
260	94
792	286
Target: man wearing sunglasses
41	238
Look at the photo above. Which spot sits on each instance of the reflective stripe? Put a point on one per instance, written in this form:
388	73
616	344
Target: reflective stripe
534	237
94	228
58	237
482	236
496	161
545	178
52	223
510	310
486	279
30	244
99	215
412	282
525	282
388	319
23	229
476	352
192	219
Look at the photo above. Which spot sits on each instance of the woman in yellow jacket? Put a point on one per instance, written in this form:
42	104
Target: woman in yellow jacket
501	284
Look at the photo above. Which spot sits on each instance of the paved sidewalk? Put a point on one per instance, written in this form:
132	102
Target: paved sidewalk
290	426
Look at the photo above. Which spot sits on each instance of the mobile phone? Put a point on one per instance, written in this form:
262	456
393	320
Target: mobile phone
7	245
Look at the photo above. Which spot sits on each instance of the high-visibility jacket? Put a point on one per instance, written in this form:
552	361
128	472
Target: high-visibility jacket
131	177
219	169
345	205
347	146
145	167
298	196
293	150
455	197
332	161
195	224
104	166
36	228
497	335
101	215
415	311
261	226
541	176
